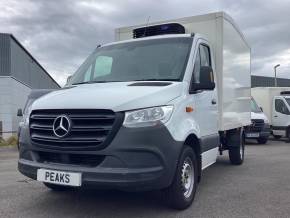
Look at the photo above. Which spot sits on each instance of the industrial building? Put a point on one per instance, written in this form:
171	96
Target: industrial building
19	73
263	81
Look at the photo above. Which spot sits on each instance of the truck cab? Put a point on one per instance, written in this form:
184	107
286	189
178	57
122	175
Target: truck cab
281	115
260	127
275	102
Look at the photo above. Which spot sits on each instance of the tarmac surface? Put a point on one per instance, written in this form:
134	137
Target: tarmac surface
258	188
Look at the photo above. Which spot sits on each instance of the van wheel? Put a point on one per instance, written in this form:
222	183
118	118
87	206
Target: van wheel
262	140
288	134
237	150
181	192
277	136
58	188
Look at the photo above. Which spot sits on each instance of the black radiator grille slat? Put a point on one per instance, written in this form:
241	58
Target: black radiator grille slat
87	160
90	129
257	125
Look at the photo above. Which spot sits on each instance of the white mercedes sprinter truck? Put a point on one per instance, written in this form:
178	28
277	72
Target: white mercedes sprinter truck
275	102
260	127
149	111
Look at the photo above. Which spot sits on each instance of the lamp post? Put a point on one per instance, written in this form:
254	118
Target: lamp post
275	67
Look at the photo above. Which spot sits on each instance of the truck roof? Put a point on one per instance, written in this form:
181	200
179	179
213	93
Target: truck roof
186	20
166	36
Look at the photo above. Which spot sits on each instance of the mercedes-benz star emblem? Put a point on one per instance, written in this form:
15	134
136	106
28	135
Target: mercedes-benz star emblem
61	126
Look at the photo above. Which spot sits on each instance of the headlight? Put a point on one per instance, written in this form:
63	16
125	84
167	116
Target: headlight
26	116
148	116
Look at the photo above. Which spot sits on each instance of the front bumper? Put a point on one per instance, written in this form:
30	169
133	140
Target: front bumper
263	132
136	159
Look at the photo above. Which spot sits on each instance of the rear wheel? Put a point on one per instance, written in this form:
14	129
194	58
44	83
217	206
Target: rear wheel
236	147
58	188
181	192
262	140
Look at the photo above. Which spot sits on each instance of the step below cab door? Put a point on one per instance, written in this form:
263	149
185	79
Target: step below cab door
280	115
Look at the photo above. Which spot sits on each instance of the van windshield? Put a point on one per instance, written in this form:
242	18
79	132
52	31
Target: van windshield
254	107
288	101
146	60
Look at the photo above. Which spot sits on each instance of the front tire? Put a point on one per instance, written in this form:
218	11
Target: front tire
181	192
262	140
277	136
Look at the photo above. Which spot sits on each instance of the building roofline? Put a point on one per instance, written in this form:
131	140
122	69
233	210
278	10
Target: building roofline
30	55
270	77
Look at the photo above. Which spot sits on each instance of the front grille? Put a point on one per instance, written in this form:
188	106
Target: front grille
90	129
257	125
87	160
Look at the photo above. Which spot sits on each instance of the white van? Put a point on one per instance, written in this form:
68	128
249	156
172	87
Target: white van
275	102
150	111
260	127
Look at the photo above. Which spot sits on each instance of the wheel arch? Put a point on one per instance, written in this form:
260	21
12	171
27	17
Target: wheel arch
193	142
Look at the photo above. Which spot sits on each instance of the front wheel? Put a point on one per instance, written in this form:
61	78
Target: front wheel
262	140
277	136
181	192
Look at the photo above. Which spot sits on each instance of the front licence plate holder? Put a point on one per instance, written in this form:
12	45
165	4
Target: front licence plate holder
253	135
59	177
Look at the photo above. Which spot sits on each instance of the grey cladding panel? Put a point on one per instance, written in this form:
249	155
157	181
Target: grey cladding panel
4	54
261	81
27	70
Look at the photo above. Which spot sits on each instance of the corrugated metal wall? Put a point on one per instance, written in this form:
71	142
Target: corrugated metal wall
4	54
262	81
17	62
25	69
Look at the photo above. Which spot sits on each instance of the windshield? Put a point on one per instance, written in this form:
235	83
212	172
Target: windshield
287	100
254	107
157	59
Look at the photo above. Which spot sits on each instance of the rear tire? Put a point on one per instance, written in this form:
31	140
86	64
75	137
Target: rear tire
57	188
181	192
262	140
237	147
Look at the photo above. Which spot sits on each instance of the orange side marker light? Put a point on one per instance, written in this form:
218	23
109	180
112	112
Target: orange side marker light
189	109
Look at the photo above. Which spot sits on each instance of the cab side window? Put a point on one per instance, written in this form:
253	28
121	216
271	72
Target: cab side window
281	107
204	55
202	59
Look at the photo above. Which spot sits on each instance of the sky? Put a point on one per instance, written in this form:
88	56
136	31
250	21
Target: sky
60	34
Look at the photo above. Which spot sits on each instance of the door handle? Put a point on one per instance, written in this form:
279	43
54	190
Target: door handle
276	116
213	101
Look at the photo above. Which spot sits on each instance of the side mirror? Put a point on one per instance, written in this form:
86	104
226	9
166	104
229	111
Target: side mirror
261	109
19	113
206	80
68	79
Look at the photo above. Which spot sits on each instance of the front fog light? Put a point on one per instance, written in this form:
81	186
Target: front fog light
148	116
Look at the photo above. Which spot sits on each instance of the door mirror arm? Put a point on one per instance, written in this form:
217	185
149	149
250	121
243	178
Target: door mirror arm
19	113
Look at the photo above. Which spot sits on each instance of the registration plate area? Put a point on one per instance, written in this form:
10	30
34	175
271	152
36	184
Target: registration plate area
59	177
252	135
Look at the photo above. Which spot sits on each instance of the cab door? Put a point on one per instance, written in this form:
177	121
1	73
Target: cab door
205	101
205	106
